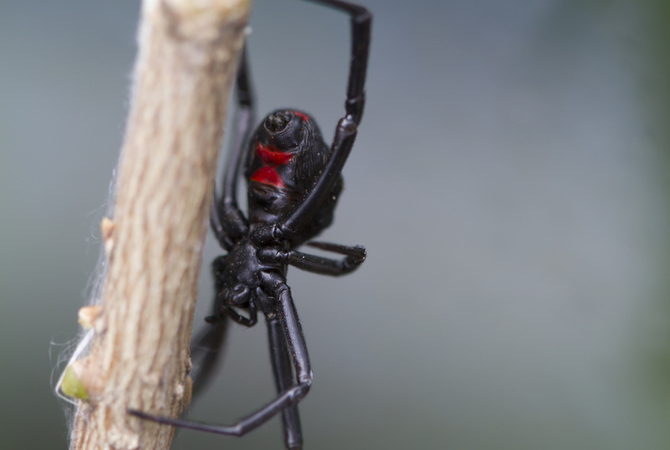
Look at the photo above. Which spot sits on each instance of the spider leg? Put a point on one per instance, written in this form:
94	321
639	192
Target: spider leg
361	21
206	349
220	233
283	375
345	132
208	343
207	346
275	285
226	219
355	255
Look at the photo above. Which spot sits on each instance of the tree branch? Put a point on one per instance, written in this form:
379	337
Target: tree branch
139	358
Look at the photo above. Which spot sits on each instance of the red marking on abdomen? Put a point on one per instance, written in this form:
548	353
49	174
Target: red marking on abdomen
267	175
301	115
271	156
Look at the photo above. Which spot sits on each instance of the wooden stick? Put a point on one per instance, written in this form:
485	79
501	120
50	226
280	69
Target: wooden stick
139	358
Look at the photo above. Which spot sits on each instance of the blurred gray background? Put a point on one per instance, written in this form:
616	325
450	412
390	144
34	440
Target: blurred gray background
510	182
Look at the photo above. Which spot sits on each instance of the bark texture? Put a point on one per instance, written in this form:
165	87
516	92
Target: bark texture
139	358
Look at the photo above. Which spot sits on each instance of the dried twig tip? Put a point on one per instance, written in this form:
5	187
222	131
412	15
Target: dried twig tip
87	316
107	230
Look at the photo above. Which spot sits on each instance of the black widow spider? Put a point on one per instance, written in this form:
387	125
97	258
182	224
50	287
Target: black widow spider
294	180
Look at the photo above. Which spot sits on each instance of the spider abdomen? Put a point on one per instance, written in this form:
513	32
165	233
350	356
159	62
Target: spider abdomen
286	156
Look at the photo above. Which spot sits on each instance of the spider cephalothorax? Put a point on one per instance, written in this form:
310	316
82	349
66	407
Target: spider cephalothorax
293	183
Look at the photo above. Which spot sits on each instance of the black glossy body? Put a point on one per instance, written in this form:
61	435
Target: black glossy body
294	181
296	135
